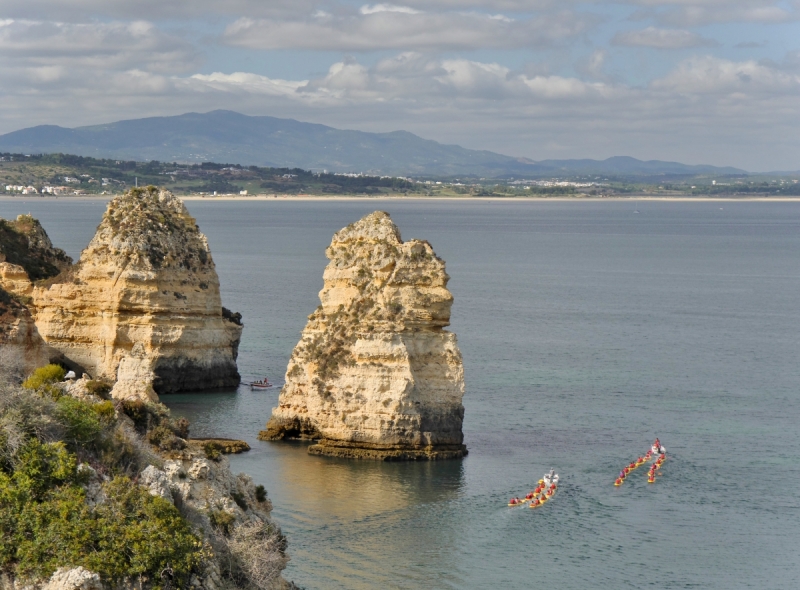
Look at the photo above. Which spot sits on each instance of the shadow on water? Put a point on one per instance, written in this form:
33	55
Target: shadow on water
362	512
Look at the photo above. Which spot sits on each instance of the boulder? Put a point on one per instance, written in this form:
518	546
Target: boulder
76	578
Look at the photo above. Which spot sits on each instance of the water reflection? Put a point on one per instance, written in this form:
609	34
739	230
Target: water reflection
381	524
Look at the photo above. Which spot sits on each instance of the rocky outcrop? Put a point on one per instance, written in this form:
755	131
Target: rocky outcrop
77	578
26	254
25	244
142	305
375	375
22	349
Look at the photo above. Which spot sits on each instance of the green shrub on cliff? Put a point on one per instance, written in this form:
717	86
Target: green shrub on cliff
82	423
46	521
44	376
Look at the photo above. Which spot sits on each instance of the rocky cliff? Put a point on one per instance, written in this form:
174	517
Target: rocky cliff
24	244
142	305
22	349
375	375
26	254
71	462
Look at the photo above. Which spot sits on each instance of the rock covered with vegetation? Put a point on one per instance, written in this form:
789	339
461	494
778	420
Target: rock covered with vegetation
24	243
98	494
375	375
142	306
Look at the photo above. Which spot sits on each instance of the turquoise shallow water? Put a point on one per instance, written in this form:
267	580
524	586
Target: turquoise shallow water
587	329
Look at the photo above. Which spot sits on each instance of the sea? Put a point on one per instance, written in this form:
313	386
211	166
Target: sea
587	328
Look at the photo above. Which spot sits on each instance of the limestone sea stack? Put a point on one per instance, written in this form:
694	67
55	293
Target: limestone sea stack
375	375
142	306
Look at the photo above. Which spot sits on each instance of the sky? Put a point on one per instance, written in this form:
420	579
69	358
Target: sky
696	81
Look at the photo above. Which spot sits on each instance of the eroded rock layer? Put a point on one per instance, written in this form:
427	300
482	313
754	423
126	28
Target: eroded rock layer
142	306
26	253
22	349
375	375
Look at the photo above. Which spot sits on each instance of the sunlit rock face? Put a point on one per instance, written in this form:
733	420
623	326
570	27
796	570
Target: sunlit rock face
375	375
26	254
142	305
22	349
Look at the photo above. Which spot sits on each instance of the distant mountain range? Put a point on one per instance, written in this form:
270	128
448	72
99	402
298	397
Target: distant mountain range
229	137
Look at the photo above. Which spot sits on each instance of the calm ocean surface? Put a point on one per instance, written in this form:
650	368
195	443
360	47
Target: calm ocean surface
587	329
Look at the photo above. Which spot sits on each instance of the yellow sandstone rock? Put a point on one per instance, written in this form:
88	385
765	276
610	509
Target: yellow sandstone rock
375	375
142	306
26	254
22	349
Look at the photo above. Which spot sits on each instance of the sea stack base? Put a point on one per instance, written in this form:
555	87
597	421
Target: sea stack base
349	450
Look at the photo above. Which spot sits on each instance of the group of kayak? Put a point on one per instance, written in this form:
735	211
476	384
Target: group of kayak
656	451
545	488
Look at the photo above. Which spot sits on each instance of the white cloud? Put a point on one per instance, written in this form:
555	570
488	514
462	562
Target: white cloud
113	60
392	28
251	83
711	75
83	10
103	46
705	110
366	9
690	13
661	39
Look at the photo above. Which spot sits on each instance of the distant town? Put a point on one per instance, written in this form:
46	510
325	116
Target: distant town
68	175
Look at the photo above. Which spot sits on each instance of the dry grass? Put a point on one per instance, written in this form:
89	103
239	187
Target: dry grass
256	556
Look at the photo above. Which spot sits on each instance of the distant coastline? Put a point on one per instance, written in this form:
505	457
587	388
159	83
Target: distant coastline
401	197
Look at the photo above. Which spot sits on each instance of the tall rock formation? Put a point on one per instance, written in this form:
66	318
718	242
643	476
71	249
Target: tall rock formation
26	254
142	305
375	375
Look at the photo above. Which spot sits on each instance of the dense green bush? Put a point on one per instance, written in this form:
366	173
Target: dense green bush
80	420
212	450
240	500
45	520
43	377
46	523
163	437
